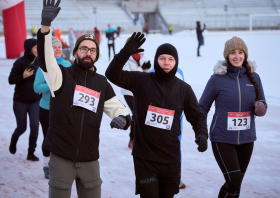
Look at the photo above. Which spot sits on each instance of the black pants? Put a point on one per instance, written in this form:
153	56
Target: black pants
130	102
156	180
21	110
109	47
44	120
199	44
233	161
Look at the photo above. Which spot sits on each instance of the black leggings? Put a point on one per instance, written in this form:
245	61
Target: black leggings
233	161
111	46
130	102
21	110
44	120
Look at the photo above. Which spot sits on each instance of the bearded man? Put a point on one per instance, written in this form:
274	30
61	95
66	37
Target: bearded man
79	98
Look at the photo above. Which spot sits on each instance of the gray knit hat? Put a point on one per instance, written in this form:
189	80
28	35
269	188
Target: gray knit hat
233	44
55	41
87	37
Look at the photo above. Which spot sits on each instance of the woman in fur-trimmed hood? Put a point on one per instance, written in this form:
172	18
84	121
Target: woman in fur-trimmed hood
239	97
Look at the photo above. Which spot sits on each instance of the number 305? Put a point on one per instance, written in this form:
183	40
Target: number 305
159	119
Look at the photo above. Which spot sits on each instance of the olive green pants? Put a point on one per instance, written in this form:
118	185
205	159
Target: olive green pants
63	172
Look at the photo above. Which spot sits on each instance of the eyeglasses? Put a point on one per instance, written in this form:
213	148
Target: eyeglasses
93	51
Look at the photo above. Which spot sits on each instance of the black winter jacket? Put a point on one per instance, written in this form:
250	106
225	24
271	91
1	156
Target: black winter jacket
199	32
150	143
24	91
73	131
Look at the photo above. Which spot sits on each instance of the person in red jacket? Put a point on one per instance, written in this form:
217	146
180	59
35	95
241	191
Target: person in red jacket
97	34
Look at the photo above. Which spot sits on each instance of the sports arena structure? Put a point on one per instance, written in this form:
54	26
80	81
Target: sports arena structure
20	16
182	14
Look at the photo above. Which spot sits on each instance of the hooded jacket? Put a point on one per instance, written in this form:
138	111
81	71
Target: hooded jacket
151	143
24	91
232	91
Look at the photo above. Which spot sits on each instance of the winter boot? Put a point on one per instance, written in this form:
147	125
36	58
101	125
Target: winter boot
182	185
47	172
13	145
32	157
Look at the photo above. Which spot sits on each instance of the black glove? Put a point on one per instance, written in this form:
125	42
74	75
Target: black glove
202	144
146	65
118	122
49	12
132	45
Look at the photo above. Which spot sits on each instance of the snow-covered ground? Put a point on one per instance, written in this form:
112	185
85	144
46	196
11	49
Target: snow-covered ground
200	172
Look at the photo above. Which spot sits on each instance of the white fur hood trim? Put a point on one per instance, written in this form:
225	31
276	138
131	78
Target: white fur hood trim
221	69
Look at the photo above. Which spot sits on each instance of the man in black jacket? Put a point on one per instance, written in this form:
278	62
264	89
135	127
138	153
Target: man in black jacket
160	98
79	98
199	35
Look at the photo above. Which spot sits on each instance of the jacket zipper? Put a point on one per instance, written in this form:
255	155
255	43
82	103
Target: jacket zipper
239	102
82	123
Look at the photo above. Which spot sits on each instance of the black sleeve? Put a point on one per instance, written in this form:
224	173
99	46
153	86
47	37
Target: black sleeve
195	116
41	49
202	30
114	72
16	75
109	91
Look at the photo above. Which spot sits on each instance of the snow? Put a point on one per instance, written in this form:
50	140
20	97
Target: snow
200	172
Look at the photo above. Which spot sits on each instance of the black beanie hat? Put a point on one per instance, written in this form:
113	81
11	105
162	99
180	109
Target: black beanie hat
170	50
87	37
28	45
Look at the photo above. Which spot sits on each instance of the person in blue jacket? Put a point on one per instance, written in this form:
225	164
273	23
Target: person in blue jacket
41	86
111	35
179	74
239	97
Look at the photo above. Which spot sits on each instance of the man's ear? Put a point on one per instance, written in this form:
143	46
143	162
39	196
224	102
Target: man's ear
75	54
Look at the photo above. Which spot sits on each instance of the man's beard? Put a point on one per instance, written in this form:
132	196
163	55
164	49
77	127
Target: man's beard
85	64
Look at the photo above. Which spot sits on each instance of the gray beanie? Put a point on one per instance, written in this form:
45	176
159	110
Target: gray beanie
55	41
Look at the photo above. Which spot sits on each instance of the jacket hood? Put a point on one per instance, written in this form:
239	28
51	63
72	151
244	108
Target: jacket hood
221	69
28	44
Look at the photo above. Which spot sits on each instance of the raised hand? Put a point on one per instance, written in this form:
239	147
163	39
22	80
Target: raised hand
131	47
49	11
